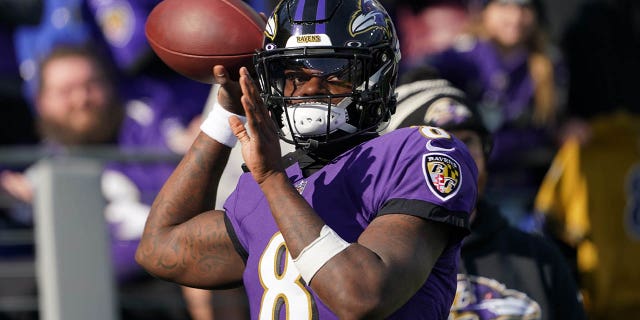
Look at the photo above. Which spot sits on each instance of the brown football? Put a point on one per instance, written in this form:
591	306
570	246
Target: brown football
192	36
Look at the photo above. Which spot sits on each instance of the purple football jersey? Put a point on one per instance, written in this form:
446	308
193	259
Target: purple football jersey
420	171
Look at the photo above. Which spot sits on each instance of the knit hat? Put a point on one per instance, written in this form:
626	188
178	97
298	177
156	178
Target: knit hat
435	102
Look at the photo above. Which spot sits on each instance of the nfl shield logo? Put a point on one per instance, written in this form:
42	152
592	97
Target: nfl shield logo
442	174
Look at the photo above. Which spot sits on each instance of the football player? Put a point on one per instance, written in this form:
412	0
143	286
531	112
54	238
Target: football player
351	224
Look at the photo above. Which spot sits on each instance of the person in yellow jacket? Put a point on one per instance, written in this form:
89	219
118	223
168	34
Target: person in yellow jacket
590	199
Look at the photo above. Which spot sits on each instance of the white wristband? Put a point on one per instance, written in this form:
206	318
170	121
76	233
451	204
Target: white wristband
216	125
318	252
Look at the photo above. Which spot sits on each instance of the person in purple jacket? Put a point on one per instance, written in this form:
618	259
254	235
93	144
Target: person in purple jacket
351	224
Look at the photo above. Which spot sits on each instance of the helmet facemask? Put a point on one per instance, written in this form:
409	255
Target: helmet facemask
355	99
350	47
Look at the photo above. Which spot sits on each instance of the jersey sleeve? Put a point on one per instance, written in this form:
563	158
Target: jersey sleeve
432	176
233	220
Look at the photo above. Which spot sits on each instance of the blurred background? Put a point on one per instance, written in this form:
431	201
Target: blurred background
92	123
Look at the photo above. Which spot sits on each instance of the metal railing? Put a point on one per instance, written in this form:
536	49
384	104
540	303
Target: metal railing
72	262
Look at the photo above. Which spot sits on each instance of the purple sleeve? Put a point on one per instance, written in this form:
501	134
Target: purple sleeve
434	178
235	211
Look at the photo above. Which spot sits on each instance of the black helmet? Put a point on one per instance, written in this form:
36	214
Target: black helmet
353	41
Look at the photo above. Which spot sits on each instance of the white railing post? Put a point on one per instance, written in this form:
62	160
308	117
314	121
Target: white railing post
75	277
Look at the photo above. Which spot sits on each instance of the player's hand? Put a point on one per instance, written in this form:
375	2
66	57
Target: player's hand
260	144
229	93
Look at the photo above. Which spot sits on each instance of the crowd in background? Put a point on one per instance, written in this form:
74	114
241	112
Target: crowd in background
552	81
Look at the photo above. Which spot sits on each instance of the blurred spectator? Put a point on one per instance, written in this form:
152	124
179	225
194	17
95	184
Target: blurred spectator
513	74
591	201
427	27
590	195
63	21
79	103
505	273
118	26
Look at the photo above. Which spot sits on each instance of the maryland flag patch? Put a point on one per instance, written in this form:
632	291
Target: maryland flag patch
442	174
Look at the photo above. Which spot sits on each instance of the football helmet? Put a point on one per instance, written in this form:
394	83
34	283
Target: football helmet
350	47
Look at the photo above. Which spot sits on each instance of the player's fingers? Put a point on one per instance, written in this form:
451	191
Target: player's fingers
228	88
249	93
239	129
249	110
229	92
220	75
260	110
260	123
249	87
257	121
250	90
